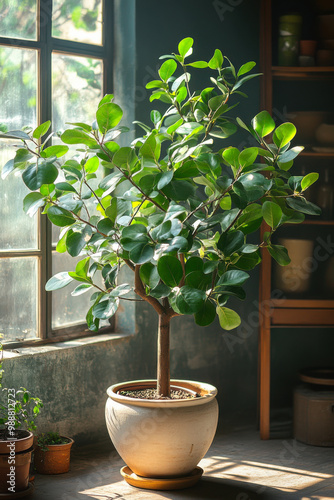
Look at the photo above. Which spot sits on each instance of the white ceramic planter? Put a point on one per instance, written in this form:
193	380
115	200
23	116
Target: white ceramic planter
162	438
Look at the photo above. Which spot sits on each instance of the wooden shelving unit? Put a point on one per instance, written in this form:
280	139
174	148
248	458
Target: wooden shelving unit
285	312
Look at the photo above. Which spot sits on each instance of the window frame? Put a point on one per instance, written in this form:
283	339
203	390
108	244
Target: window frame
45	46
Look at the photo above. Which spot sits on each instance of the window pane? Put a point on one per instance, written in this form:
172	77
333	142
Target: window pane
66	309
76	89
76	92
18	304
18	82
17	230
18	19
78	20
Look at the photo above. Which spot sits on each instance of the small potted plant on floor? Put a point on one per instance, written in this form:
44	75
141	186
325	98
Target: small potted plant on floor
176	206
18	411
52	453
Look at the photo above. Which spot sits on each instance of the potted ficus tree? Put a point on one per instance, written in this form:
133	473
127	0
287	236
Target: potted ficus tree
18	411
176	207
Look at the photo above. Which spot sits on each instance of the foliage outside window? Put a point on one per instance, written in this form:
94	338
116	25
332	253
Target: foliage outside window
53	63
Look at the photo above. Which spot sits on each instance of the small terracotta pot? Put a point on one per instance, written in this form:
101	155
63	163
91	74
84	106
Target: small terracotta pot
56	460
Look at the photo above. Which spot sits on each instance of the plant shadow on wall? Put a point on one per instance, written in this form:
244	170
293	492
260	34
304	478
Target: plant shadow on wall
176	206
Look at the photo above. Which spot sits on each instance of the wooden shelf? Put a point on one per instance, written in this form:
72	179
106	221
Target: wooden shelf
306	73
316	154
295	313
317	222
302	303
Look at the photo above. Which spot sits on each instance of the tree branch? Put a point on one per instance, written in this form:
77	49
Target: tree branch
140	290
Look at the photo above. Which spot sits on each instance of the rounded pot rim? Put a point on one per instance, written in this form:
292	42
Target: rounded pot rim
61	446
207	393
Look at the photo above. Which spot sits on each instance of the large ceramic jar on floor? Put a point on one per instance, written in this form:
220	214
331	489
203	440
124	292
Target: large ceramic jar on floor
166	437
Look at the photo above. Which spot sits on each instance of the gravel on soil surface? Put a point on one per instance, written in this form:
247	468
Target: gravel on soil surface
152	394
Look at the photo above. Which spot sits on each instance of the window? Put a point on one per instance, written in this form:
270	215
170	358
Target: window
54	65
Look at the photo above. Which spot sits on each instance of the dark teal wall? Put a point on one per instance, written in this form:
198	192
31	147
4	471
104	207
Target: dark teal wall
228	360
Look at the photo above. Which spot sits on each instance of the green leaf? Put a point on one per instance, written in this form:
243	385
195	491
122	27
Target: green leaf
118	208
223	131
193	264
216	102
244	80
188	127
105	226
32	202
108	116
57	151
7	168
263	123
65	186
304	206
141	253
134	232
120	290
154	84
170	270
247	157
288	156
272	213
41	130
187	300
75	136
231	156
167	69
60	217
228	318
217	60
105	309
58	281
280	254
149	275
309	179
184	46
84	126
155	116
248	261
165	179
233	277
37	174
179	190
92	165
198	64
197	279
15	134
80	289
75	242
125	158
230	242
284	134
206	314
246	68
162	232
160	291
255	185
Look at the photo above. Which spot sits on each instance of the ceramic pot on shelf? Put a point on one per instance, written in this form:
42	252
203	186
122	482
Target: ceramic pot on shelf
295	277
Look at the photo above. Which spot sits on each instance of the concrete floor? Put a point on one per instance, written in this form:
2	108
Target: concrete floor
238	466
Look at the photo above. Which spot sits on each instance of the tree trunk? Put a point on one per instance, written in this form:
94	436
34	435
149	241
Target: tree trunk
163	376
